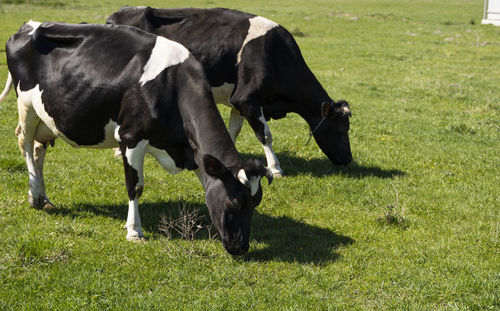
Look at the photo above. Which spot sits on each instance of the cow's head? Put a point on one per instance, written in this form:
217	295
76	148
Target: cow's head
232	198
132	16
331	131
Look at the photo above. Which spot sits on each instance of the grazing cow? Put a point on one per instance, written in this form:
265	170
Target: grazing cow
256	65
104	86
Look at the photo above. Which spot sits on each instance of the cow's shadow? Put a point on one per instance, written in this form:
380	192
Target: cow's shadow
272	238
319	167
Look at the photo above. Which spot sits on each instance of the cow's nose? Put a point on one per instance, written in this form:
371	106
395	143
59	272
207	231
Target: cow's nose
234	248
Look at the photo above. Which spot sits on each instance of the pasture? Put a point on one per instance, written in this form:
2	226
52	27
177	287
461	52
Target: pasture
411	224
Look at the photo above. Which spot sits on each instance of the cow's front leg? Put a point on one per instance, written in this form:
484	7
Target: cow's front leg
263	133
133	162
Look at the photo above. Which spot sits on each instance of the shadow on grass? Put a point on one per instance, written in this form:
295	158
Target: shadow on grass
284	238
293	166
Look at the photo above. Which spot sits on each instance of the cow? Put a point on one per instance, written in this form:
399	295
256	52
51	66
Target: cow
106	86
256	67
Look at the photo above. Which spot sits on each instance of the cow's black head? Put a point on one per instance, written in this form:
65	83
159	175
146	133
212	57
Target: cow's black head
231	200
132	16
331	131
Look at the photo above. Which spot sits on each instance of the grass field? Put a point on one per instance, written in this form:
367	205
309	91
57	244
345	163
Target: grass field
412	224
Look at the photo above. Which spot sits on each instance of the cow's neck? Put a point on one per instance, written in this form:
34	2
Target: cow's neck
209	135
309	100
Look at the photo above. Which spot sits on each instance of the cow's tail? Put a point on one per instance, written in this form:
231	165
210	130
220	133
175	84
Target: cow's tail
6	90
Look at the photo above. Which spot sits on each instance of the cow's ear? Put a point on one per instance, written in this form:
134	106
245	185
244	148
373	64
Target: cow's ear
214	167
164	17
344	109
327	110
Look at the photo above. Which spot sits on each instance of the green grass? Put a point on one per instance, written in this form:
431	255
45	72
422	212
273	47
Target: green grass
413	224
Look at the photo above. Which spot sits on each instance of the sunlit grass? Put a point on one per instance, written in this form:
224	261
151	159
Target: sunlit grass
412	224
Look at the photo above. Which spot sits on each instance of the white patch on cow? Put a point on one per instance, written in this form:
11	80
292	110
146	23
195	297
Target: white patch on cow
135	156
165	53
164	159
117	133
259	26
242	177
33	25
48	130
222	93
33	98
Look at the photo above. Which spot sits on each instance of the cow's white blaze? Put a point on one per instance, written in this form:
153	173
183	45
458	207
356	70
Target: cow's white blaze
165	53
259	26
33	25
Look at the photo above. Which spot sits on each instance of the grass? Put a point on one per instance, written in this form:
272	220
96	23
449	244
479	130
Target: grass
412	224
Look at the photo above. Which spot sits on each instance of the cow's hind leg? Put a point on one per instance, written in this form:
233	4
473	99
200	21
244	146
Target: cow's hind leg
235	124
26	131
271	158
246	99
263	133
42	133
133	162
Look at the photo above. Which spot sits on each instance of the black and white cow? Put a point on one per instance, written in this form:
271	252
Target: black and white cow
257	66
103	86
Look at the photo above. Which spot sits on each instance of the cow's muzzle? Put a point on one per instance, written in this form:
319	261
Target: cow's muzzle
235	248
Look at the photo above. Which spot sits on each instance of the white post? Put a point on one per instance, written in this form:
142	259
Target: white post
491	12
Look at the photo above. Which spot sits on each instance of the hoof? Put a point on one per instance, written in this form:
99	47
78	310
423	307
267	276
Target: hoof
40	203
278	174
136	239
47	206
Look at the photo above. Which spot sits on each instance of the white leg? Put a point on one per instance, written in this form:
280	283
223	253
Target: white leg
39	155
235	124
28	122
133	163
271	158
134	231
118	153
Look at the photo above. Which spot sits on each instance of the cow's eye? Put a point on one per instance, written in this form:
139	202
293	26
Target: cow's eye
232	203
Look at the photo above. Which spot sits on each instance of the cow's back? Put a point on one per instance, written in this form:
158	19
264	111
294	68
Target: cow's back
86	76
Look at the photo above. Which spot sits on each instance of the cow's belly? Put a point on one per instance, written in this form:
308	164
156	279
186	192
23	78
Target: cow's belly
48	130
